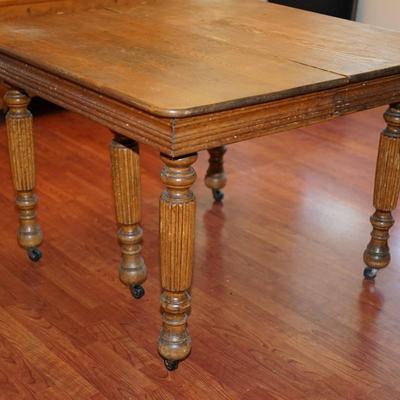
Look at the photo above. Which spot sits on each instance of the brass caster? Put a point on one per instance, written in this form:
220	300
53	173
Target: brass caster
218	195
171	365
137	291
370	273
34	254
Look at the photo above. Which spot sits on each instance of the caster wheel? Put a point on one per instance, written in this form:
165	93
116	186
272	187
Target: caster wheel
171	365
137	291
218	195
370	273
34	254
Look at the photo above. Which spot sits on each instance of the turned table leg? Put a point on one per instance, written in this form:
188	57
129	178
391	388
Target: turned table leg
177	233
215	178
387	188
21	150
125	168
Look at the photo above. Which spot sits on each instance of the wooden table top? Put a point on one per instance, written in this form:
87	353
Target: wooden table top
179	58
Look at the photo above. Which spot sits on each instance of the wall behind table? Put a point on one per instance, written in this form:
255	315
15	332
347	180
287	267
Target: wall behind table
385	13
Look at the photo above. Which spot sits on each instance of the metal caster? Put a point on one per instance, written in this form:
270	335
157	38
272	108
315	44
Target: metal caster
34	254
218	195
137	291
370	273
171	365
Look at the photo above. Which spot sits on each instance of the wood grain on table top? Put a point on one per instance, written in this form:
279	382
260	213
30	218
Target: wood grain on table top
18	8
187	57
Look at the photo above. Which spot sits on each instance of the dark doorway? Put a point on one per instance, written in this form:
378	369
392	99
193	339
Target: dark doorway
336	8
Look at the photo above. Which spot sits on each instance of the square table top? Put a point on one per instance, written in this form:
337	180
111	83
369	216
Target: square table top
178	58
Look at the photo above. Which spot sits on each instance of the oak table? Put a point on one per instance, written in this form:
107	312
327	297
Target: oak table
184	76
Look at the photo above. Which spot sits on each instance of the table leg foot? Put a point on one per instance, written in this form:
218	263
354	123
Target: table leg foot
218	195
386	194
34	254
370	273
171	365
137	291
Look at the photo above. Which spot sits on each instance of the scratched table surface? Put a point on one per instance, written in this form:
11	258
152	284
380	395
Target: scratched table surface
188	57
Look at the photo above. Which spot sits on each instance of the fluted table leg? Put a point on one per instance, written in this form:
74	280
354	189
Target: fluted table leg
177	233
125	167
387	188
21	150
215	178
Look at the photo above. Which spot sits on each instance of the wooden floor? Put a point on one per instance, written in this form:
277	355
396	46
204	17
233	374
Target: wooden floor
280	310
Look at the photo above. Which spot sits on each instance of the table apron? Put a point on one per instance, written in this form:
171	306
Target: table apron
212	130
